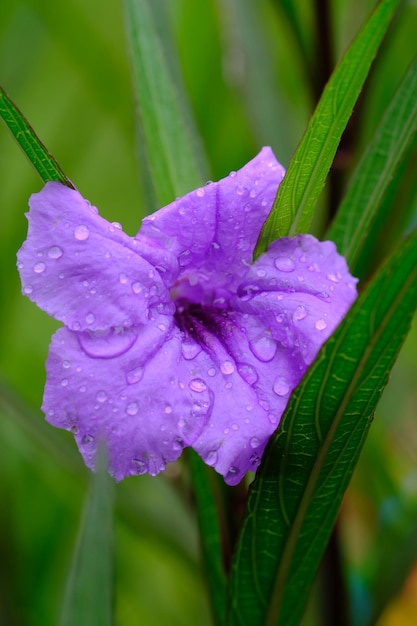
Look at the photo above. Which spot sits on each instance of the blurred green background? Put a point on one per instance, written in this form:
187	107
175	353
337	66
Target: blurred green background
66	65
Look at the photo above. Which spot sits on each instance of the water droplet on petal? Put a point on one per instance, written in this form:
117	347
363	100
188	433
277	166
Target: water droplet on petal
211	371
87	439
233	471
190	350
200	193
137	288
101	396
39	268
197	384
177	444
107	344
81	233
264	348
261	272
134	376
28	289
64	382
281	386
254	442
168	409
248	373
55	252
140	466
123	278
284	264
235	426
320	325
132	408
66	364
211	458
90	318
227	367
299	313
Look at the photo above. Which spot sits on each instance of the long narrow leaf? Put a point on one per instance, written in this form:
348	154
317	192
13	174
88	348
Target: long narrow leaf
43	162
88	597
304	180
305	471
170	139
376	170
210	536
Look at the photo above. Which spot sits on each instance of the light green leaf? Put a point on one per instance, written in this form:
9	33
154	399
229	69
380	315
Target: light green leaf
170	143
375	171
88	595
43	162
307	466
293	207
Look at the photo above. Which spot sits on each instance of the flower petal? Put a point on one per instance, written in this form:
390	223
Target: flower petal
85	271
290	302
213	230
145	403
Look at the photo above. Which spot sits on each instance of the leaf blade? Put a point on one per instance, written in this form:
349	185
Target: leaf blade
293	207
43	162
88	594
375	171
170	142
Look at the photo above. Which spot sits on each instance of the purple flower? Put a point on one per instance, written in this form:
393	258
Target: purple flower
174	338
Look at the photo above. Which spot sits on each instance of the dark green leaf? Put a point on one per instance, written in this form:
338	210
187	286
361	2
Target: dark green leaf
210	534
170	142
375	171
43	162
293	207
88	595
307	466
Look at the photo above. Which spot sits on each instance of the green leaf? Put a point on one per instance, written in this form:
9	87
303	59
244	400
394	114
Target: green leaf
293	207
170	143
211	538
88	596
43	162
307	466
375	171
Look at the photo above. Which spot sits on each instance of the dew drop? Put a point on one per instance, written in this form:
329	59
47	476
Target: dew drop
39	268
107	344
90	318
28	289
123	278
261	273
281	386
168	409
240	190
64	382
299	313
101	396
211	458
284	264
81	233
233	471
134	376
87	439
82	389
55	252
227	367
136	288
211	372
264	348
197	384
190	350
254	442
177	444
248	373
66	364
140	466
320	325
235	427
132	408
200	193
